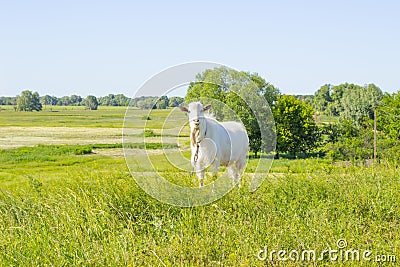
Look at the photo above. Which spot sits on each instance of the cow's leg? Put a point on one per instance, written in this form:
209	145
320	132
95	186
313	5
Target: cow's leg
200	175
200	171
232	173
215	168
235	171
240	163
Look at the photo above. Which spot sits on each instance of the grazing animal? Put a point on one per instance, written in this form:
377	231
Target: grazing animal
216	143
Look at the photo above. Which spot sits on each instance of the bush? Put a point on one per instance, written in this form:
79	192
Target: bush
83	150
388	149
345	141
149	133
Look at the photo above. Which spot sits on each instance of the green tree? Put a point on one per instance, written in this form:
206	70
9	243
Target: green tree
388	116
308	99
358	103
254	113
75	100
29	101
145	102
8	100
175	101
353	138
91	102
64	101
114	100
295	126
322	98
226	89
48	100
108	100
211	86
271	93
162	102
335	107
349	142
122	100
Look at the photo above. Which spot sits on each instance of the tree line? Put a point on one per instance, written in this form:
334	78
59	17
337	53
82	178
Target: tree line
337	121
355	108
31	101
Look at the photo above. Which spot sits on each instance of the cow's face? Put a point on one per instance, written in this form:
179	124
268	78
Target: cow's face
195	111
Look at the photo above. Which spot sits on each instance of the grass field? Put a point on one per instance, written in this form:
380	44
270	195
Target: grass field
68	199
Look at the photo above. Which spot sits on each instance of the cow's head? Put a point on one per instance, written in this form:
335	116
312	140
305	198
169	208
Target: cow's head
195	111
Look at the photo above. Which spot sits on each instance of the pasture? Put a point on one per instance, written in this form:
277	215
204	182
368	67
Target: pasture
67	199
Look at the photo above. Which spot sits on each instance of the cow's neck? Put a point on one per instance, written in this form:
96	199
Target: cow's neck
198	134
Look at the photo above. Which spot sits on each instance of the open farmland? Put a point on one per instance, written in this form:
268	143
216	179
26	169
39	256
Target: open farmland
68	199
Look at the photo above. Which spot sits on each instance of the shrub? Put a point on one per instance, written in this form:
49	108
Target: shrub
83	150
149	133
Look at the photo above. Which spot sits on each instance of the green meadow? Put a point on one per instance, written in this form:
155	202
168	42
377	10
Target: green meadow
67	198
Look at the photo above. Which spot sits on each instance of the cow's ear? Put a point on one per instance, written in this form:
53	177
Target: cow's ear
207	107
184	109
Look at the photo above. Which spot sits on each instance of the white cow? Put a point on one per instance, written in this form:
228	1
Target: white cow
216	143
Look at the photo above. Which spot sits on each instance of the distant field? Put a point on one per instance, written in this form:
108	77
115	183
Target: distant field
70	116
67	199
73	125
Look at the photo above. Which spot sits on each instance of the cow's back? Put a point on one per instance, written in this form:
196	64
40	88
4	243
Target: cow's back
238	138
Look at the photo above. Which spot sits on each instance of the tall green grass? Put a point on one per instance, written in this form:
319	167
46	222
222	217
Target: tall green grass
68	206
92	213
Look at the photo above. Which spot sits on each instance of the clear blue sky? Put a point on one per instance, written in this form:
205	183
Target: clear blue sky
100	47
